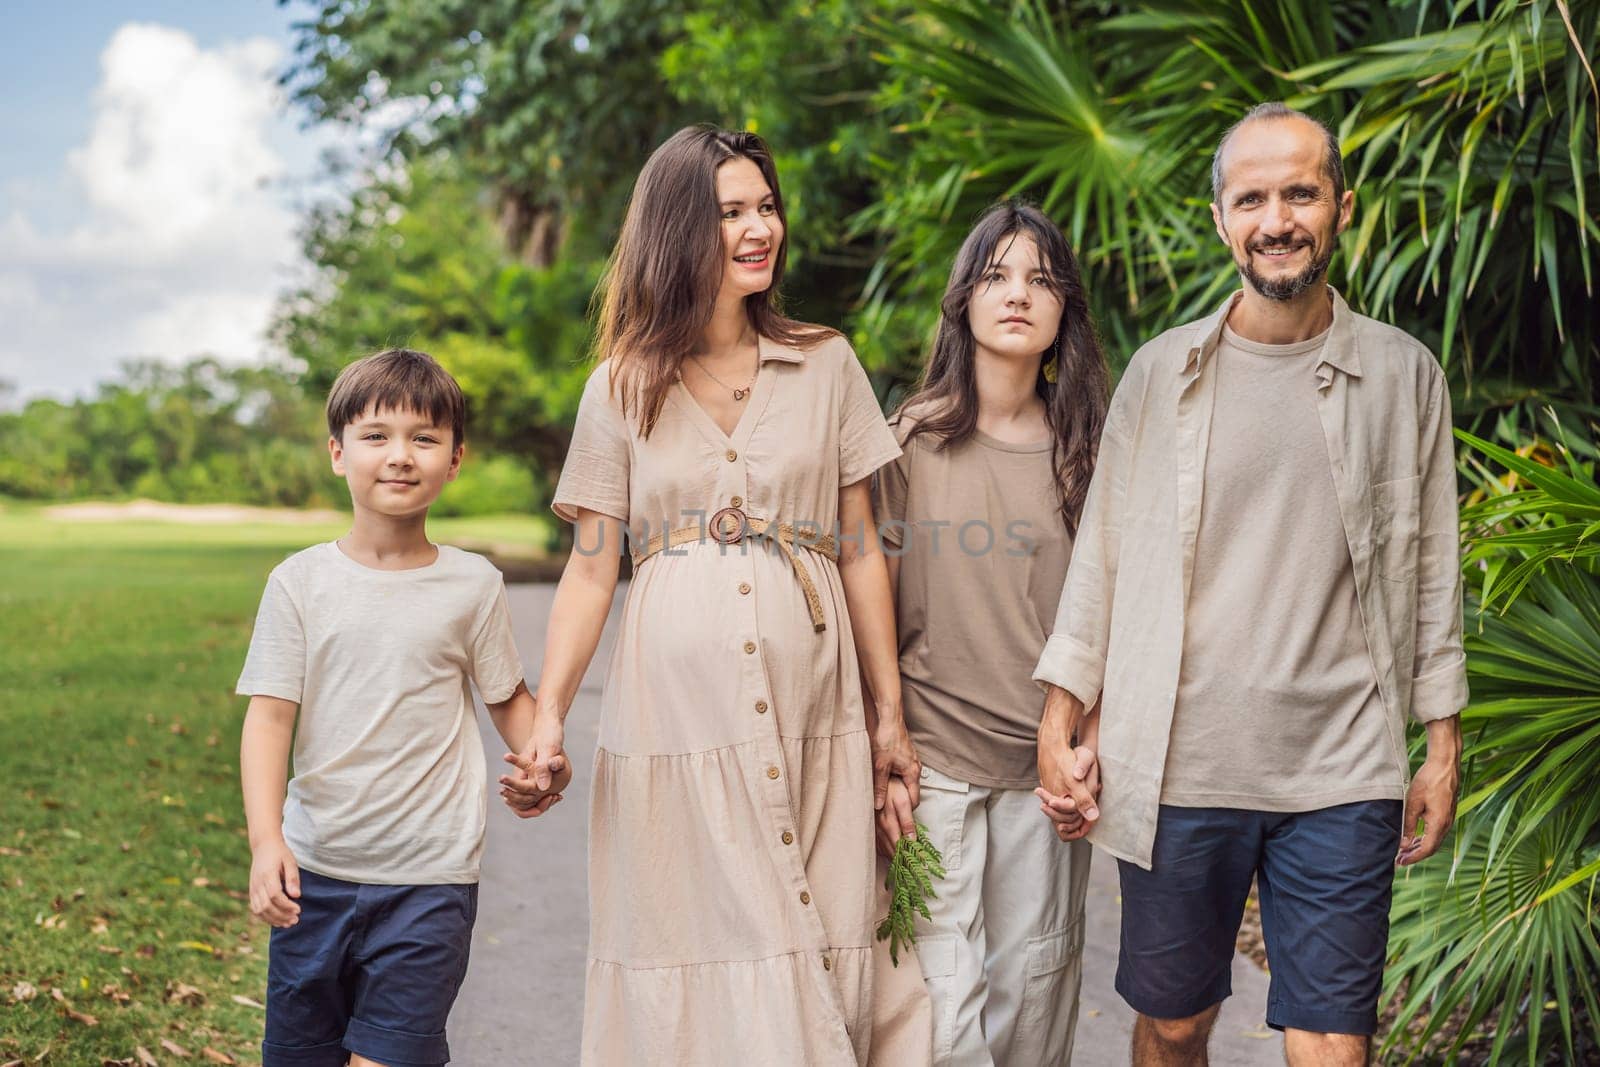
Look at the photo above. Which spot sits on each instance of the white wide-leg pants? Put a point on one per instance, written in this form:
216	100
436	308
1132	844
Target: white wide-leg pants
1003	955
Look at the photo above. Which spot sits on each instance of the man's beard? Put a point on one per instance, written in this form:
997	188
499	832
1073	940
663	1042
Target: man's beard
1284	288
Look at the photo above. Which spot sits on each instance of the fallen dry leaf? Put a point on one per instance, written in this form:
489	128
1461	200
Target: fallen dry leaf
129	1062
75	1016
142	1054
184	993
8	851
13	1063
198	946
112	992
109	950
144	952
98	925
23	991
174	1048
216	1057
247	1002
201	883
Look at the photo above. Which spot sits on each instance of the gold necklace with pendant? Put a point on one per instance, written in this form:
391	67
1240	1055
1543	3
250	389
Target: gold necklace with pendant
738	394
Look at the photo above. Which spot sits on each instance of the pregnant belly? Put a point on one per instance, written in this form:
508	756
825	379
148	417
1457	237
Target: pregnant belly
715	648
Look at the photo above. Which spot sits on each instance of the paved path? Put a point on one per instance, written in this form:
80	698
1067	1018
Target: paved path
523	998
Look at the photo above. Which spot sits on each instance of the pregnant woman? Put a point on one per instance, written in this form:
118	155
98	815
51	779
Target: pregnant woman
732	889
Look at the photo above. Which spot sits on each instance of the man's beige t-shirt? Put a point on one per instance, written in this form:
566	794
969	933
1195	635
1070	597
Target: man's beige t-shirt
1276	676
983	557
389	778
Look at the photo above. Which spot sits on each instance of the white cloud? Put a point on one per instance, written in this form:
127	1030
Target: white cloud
183	234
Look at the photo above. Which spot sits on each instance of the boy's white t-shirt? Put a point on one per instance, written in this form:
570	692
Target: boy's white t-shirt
389	778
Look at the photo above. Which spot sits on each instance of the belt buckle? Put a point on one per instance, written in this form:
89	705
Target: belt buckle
728	526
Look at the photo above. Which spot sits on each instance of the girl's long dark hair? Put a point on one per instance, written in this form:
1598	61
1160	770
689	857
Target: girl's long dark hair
1074	405
660	288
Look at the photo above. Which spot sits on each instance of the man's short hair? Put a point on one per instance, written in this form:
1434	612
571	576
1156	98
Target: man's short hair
400	379
1332	160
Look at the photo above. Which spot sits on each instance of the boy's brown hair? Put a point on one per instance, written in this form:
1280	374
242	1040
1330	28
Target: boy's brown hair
401	379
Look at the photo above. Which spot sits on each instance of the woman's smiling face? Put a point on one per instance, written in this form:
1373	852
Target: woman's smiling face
752	232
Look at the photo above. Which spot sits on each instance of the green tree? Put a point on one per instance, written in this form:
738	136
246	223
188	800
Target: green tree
200	432
556	103
415	259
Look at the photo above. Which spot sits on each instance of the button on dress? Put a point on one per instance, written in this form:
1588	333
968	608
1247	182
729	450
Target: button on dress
733	887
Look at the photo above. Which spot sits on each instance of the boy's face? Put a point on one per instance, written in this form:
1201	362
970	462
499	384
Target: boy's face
396	462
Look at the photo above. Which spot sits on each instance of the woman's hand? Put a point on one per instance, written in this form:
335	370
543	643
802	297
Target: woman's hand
543	763
893	756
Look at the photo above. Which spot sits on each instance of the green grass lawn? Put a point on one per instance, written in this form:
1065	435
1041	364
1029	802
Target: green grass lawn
123	860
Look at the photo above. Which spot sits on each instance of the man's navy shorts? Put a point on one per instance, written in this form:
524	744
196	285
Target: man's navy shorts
368	969
1324	880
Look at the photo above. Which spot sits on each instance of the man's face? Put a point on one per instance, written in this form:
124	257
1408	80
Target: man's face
1277	211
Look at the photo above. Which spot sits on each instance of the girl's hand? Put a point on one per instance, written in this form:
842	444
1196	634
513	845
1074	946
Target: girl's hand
895	820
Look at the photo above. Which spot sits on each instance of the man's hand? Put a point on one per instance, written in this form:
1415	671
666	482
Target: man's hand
895	820
1074	811
274	884
1431	800
1069	776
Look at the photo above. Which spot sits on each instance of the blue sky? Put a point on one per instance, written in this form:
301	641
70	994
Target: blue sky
111	108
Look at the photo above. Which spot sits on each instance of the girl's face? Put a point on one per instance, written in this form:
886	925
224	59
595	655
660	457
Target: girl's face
751	230
1014	312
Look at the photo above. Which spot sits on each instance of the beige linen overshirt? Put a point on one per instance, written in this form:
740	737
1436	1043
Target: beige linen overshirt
1118	635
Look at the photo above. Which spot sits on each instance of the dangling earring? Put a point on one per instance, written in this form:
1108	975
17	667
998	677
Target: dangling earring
1051	369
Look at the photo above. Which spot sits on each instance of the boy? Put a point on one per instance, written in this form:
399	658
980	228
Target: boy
366	863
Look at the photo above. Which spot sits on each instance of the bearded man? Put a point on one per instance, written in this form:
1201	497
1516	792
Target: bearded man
1265	584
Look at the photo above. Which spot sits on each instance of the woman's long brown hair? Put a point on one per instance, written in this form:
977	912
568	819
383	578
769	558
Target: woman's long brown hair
660	287
1074	405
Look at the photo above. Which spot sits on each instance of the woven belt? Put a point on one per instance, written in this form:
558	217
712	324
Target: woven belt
731	525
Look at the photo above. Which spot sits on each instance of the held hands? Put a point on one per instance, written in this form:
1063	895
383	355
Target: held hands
274	884
1076	773
1069	775
895	819
893	756
543	769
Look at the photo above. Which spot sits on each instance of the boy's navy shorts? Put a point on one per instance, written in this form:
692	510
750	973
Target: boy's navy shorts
368	969
1324	879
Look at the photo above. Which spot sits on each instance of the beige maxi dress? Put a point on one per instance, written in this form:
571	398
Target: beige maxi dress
733	887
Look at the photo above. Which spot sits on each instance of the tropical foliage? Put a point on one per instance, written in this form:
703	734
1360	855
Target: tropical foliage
1469	131
1498	940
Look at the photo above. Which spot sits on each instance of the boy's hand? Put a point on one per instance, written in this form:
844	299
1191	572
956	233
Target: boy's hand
895	819
521	791
275	884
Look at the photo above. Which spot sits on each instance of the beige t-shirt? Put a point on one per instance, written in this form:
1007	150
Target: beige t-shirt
1275	675
983	556
389	779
